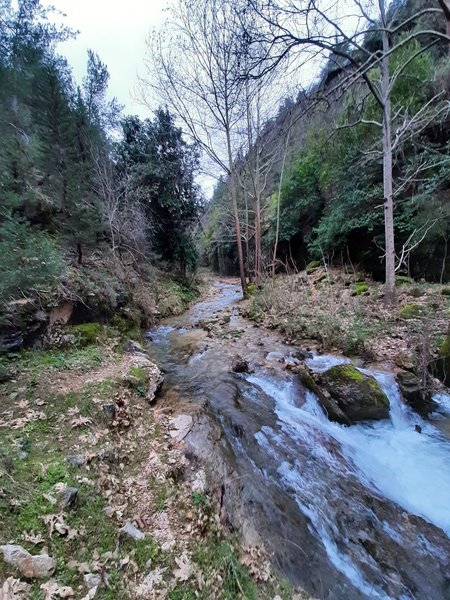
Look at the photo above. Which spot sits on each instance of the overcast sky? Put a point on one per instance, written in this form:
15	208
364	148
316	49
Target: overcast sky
116	30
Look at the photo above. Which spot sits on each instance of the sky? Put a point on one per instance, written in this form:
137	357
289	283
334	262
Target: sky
116	30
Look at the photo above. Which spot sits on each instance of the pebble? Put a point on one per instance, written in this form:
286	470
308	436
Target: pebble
132	531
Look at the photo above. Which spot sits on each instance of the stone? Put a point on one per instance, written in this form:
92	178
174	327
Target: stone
76	460
357	395
404	361
414	393
240	365
69	497
412	311
199	482
440	367
39	566
180	426
145	377
61	315
130	530
134	347
92	580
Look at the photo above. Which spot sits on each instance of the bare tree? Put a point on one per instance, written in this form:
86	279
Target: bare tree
193	65
323	28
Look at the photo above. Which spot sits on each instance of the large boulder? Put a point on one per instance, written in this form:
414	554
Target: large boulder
347	395
414	393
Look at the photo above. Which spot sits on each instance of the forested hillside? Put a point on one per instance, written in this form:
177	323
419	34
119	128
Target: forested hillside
92	202
327	176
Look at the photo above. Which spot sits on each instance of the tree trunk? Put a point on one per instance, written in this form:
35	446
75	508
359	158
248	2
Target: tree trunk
234	210
280	184
79	254
387	168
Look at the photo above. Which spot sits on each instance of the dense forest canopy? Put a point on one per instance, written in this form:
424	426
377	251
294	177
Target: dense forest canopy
89	195
86	194
323	195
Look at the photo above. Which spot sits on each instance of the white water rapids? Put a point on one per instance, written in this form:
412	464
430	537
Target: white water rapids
389	456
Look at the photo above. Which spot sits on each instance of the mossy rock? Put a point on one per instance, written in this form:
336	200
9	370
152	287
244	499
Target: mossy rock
86	333
415	393
412	311
441	366
403	280
137	378
360	289
357	395
312	266
445	291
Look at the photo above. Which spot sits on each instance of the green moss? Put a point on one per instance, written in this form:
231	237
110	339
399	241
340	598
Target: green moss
345	372
87	333
312	266
403	280
360	288
138	379
412	311
251	289
444	350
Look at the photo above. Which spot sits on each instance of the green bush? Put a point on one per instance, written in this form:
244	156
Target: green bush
87	333
31	260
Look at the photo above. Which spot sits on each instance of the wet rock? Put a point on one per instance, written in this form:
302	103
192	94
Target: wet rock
130	530
134	347
417	428
440	367
40	566
414	393
180	426
404	361
76	460
69	497
239	365
357	395
329	404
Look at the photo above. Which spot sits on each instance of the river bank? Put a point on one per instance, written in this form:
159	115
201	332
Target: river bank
331	310
235	468
309	489
98	481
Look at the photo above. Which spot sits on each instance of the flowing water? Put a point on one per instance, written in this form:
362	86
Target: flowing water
347	512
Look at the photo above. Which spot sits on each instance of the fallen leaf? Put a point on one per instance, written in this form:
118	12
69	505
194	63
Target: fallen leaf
14	589
33	538
80	421
53	590
185	568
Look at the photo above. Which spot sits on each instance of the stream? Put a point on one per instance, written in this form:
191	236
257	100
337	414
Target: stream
346	512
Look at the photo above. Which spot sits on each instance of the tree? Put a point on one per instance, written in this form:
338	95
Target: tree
319	29
159	168
194	67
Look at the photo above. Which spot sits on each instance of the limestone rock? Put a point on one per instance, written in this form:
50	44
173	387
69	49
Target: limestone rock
132	531
180	426
357	395
414	393
40	566
240	365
